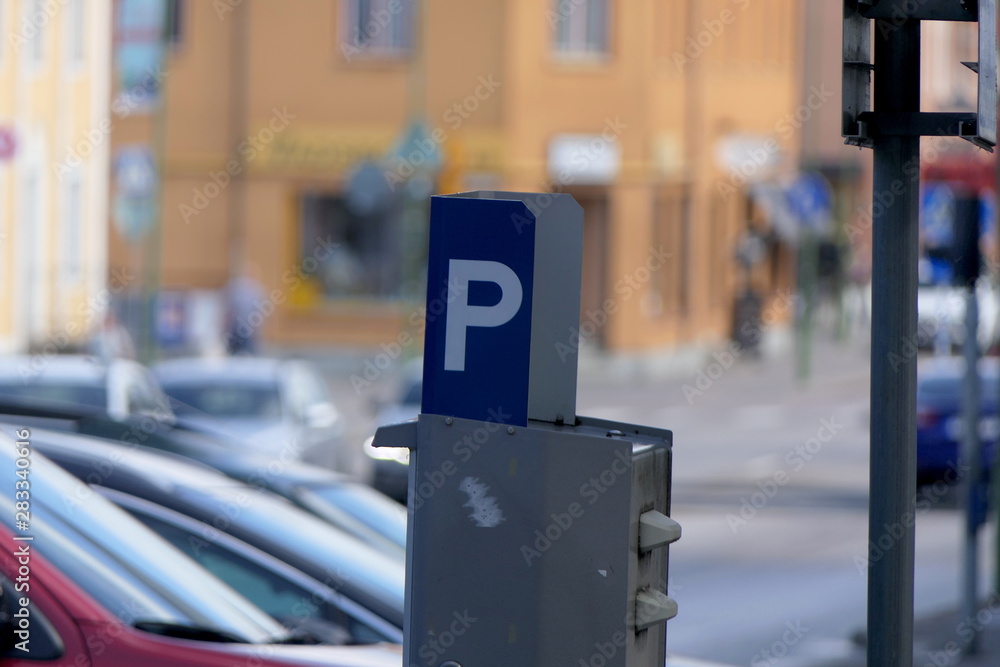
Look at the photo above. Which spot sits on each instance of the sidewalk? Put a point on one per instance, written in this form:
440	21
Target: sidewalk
936	641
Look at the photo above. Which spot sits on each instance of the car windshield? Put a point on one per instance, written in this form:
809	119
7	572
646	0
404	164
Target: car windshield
225	400
948	389
354	565
361	504
413	394
56	392
128	547
89	567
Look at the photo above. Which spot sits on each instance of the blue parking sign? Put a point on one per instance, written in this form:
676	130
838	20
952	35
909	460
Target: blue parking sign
480	283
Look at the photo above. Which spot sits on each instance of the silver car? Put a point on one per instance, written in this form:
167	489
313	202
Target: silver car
278	407
120	388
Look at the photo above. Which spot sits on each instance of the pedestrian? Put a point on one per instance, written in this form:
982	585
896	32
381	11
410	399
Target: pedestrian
111	340
243	296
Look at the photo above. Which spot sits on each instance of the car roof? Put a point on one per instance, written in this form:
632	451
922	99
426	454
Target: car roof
198	491
76	367
953	367
154	467
232	369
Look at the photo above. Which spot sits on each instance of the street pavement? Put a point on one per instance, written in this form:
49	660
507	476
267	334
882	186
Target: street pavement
770	486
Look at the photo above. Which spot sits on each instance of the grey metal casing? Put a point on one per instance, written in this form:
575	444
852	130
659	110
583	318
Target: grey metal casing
523	547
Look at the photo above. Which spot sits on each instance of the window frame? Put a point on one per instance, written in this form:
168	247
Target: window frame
572	38
75	26
33	58
72	227
398	44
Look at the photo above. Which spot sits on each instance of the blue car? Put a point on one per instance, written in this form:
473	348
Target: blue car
940	422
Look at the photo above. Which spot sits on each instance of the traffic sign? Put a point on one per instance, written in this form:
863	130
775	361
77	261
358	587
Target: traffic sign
811	201
140	49
503	292
937	215
479	282
136	185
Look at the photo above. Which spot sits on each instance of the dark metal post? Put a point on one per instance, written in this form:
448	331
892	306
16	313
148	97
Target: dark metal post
894	330
970	456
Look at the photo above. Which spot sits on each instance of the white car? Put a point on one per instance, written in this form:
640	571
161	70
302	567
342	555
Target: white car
941	315
276	406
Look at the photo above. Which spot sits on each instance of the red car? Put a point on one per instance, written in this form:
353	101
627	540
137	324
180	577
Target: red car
62	626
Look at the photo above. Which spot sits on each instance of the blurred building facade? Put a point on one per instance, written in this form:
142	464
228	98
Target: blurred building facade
54	125
302	139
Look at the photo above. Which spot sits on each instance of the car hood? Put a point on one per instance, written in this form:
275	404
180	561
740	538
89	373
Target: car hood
266	435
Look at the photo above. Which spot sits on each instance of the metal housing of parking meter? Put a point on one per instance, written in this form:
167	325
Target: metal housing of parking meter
536	536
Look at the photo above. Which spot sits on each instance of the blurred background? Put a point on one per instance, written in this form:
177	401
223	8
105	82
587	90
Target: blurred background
184	178
296	145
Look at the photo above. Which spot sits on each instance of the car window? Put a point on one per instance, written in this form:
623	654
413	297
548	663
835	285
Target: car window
44	642
289	603
140	553
948	389
226	400
359	503
357	566
71	394
100	576
144	395
413	394
305	389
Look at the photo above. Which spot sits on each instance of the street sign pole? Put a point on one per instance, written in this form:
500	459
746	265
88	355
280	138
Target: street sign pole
970	453
893	131
966	268
894	329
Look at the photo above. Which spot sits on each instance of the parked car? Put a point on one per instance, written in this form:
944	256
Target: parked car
372	579
339	499
291	597
939	414
270	403
105	591
355	508
121	388
941	316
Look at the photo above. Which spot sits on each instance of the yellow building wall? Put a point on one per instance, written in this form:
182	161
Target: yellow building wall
672	103
6	204
53	110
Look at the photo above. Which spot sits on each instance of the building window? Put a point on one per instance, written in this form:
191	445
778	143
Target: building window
581	28
346	252
36	262
36	18
76	16
72	231
721	251
3	28
175	21
378	27
672	234
5	233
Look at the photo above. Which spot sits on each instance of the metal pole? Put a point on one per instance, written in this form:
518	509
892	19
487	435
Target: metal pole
148	346
808	268
239	127
893	361
971	458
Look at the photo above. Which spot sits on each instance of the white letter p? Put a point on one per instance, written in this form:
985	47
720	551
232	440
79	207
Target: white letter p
461	315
